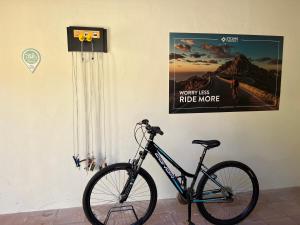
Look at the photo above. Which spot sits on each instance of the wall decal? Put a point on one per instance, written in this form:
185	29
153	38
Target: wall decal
224	72
31	57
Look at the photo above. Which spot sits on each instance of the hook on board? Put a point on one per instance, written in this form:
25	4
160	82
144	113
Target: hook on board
85	37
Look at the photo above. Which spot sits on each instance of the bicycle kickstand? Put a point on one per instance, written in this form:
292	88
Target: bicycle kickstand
190	211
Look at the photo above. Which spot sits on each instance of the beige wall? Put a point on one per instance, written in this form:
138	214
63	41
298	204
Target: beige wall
36	168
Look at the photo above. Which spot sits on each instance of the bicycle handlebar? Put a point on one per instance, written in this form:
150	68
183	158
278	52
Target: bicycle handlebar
151	129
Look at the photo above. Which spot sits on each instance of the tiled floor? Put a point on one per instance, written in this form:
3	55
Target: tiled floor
275	207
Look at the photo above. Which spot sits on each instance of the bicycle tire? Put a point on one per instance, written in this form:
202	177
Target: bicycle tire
214	170
86	200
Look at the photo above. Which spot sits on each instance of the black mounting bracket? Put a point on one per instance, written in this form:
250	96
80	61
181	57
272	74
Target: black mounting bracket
87	39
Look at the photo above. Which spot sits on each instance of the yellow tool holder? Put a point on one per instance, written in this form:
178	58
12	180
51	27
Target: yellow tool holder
86	35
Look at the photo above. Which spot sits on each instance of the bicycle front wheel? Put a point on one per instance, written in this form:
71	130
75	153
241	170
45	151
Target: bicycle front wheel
237	179
101	198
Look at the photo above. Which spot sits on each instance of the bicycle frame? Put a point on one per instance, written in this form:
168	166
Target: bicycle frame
157	152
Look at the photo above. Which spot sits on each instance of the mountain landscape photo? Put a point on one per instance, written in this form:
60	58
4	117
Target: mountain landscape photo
241	78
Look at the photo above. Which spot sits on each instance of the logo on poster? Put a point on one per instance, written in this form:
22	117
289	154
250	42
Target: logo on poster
230	39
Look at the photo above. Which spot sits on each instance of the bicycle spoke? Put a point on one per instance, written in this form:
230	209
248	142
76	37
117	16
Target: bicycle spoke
236	181
106	194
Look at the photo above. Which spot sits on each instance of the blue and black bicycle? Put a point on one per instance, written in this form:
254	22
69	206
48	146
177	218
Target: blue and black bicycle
125	193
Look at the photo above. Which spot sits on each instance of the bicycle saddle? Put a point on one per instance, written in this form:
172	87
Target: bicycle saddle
207	144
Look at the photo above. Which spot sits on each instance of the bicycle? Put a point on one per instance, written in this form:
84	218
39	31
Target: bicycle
125	193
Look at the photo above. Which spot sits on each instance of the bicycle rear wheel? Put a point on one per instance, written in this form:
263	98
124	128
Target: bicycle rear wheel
101	198
238	179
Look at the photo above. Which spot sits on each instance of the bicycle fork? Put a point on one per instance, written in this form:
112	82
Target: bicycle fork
128	186
133	173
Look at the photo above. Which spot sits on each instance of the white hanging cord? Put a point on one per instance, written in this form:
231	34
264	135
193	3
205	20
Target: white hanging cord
86	103
74	103
76	140
93	107
102	122
92	98
92	49
75	106
98	108
104	108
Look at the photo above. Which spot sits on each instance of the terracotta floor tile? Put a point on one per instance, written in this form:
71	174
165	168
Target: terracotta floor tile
275	207
162	218
68	216
266	211
281	221
296	219
246	222
289	208
181	218
14	219
80	223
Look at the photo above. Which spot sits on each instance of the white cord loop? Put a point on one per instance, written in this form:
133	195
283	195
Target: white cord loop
89	126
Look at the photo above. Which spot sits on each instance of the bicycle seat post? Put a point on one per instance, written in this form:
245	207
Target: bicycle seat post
190	194
199	167
203	155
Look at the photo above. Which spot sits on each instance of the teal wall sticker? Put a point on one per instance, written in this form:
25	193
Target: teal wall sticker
31	57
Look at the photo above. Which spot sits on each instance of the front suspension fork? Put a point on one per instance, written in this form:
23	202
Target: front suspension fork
128	186
132	175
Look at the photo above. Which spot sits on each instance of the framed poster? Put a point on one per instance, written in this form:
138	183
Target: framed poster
224	72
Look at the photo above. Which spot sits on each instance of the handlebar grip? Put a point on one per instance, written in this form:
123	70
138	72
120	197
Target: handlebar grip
157	130
161	132
150	129
145	121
